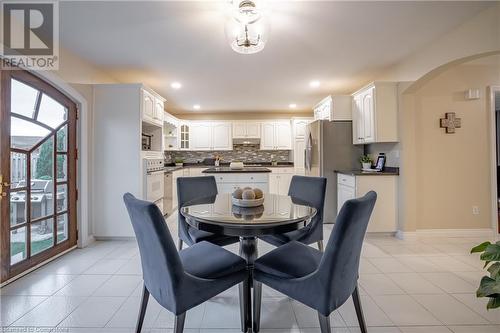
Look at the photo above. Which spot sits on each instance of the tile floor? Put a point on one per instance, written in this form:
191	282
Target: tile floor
426	285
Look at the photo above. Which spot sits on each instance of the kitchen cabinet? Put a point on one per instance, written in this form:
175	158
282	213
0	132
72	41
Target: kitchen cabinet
246	130
184	136
299	144
152	108
384	216
332	108
374	113
228	182
279	180
211	136
276	136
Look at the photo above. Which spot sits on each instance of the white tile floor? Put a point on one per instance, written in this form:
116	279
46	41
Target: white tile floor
421	286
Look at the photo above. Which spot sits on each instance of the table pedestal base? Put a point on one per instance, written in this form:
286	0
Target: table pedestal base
248	251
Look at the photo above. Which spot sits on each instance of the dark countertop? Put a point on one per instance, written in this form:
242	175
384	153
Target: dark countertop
169	168
229	170
388	171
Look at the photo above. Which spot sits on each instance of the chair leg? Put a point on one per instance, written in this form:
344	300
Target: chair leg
142	310
324	323
245	312
179	244
320	245
257	304
359	310
179	323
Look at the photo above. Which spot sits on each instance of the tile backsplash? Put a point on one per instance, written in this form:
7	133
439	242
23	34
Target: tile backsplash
391	150
249	153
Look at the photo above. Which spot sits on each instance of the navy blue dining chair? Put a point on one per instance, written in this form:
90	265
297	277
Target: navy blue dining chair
178	281
310	190
322	281
189	189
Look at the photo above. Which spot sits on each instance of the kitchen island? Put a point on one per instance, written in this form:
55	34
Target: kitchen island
229	179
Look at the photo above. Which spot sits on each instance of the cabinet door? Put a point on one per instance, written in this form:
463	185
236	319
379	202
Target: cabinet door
148	105
253	130
357	117
267	139
368	120
283	135
184	136
159	110
299	128
239	130
284	183
344	193
273	183
298	156
201	136
221	136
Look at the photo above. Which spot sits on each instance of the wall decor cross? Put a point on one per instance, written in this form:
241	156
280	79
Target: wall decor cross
450	122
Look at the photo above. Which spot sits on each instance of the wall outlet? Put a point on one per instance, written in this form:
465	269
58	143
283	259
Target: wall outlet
475	210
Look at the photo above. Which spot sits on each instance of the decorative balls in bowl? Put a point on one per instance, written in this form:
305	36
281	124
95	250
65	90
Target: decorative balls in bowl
248	197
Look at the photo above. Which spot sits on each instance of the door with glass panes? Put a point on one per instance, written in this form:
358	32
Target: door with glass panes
38	172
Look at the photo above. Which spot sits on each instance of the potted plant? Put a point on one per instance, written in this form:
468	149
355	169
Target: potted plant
366	161
179	161
490	285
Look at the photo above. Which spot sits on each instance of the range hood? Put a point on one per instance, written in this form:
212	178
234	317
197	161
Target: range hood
246	141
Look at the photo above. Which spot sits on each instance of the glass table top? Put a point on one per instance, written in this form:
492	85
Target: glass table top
276	210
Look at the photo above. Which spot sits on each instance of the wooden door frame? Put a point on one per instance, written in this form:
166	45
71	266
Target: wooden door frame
7	271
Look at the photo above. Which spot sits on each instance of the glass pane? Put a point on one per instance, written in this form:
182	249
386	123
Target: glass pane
62	228
17	207
62	139
18	164
25	134
51	112
62	197
62	167
23	99
41	198
42	236
17	245
42	161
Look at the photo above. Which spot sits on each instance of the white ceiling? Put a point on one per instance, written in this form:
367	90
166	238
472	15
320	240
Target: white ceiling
342	44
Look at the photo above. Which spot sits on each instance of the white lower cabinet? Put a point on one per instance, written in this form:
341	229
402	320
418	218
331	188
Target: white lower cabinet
279	180
384	216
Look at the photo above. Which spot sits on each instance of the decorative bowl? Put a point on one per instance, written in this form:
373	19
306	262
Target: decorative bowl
247	203
236	165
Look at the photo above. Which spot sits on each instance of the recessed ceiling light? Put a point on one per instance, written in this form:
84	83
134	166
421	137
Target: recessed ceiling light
292	106
197	106
314	84
176	85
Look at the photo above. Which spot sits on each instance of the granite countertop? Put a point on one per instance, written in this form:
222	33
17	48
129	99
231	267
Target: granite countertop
229	170
172	167
388	171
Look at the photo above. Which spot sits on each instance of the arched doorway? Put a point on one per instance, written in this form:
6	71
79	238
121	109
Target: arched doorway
38	168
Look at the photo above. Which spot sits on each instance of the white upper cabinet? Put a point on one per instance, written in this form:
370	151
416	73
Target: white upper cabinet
276	135
201	135
148	106
221	136
152	108
267	140
211	136
375	113
184	131
332	108
283	133
299	128
246	130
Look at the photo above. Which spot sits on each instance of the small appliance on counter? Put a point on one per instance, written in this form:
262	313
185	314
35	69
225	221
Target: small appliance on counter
236	165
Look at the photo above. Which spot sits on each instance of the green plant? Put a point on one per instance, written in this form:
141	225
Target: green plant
366	159
490	285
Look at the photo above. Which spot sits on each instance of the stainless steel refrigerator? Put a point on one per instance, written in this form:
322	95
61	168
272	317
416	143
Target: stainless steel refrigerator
328	148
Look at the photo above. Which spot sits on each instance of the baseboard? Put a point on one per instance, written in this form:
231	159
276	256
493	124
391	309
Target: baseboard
114	238
454	233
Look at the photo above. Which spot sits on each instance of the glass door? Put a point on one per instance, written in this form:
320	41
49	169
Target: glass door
38	171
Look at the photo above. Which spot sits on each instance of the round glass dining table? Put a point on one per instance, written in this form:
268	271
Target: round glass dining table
278	214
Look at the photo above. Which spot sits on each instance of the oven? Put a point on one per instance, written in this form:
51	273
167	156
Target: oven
154	181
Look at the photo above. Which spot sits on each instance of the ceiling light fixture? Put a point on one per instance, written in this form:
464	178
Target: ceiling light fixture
246	27
176	85
292	106
197	106
314	84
